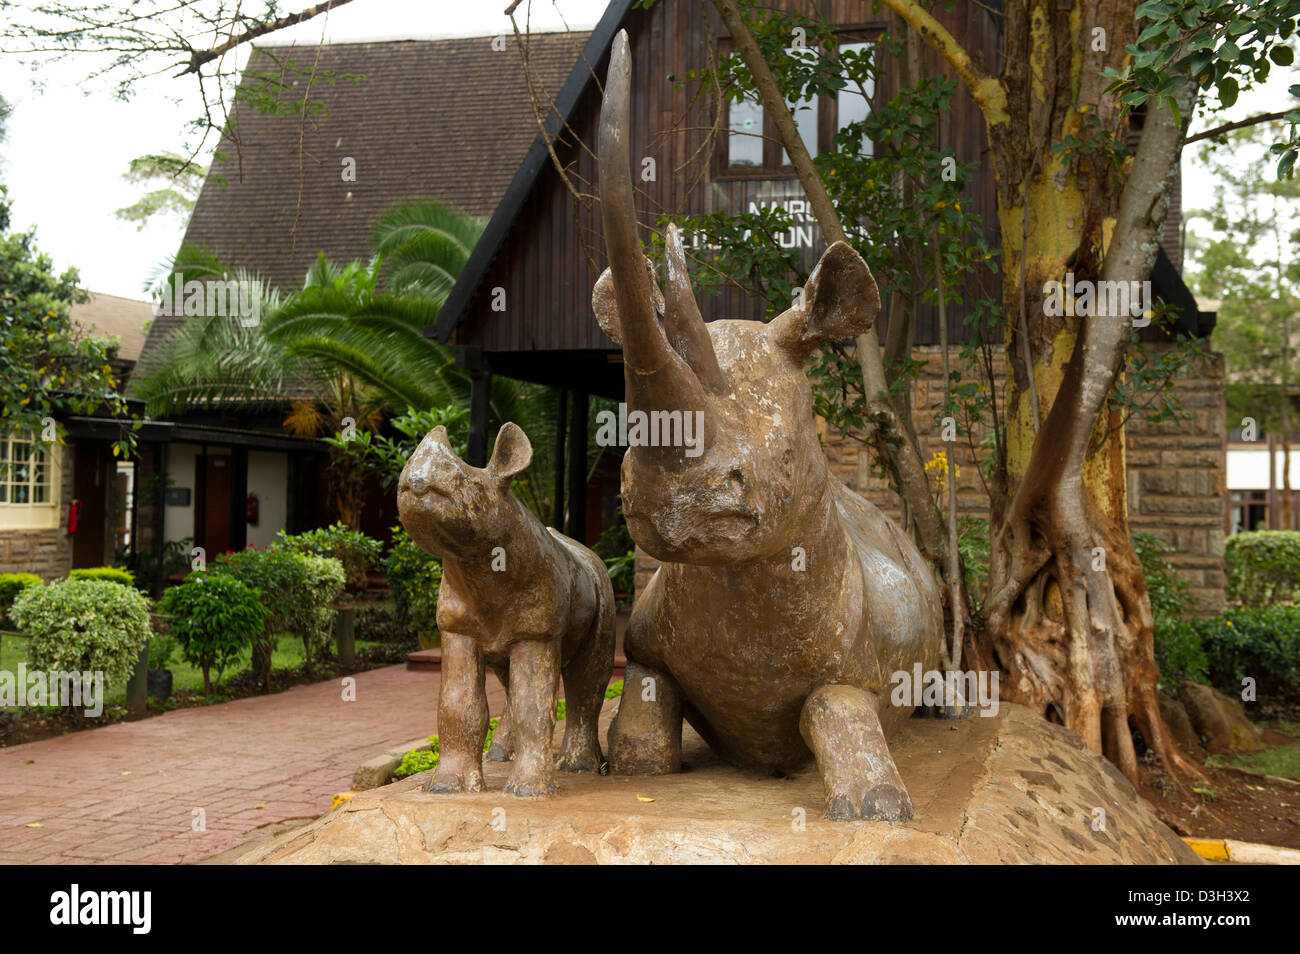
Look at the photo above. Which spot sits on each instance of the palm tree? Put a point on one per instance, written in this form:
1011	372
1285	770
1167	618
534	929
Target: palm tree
350	317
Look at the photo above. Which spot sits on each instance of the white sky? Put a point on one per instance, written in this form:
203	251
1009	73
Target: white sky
67	149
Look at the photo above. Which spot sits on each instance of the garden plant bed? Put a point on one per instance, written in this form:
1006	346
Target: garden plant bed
31	725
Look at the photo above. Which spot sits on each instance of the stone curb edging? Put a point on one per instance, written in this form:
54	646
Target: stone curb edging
1242	852
377	771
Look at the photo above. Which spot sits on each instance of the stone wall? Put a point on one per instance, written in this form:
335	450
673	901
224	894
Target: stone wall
1176	474
47	553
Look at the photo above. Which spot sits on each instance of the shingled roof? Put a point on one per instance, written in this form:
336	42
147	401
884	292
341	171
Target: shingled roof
447	118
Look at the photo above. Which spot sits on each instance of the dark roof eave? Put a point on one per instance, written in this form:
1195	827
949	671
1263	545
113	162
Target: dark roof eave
489	244
169	432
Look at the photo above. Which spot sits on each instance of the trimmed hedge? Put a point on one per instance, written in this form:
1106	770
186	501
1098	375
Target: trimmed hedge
1263	566
1260	642
84	625
113	574
11	584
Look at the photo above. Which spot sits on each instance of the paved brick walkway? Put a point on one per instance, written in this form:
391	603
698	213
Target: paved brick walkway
127	793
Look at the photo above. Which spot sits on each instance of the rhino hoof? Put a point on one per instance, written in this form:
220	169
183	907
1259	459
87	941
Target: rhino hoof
887	803
531	788
839	808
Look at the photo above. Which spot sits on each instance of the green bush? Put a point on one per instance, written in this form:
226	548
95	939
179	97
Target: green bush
216	619
378	624
295	587
278	576
11	584
312	618
1262	642
356	551
1263	566
84	625
113	574
162	650
616	548
1177	643
414	578
1179	654
1170	596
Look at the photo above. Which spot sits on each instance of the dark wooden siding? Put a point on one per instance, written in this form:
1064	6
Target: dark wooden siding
553	254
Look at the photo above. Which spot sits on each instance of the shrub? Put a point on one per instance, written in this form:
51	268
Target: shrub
1262	642
356	551
216	619
414	578
113	574
1263	566
11	584
378	624
162	650
84	626
1170	596
1179	653
279	576
1177	643
312	616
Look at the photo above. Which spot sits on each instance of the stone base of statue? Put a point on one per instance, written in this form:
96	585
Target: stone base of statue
1002	790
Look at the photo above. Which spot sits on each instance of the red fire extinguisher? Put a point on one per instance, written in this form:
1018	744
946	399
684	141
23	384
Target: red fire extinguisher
250	509
73	511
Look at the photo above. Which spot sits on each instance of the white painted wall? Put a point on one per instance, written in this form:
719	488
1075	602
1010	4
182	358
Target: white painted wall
1248	469
268	478
178	522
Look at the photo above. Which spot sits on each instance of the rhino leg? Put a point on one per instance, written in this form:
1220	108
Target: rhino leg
502	748
534	670
585	679
645	737
462	718
840	725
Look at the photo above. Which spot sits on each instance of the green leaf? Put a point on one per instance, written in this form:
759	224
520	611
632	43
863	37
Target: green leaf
1228	90
1282	55
1239	26
1229	52
1286	164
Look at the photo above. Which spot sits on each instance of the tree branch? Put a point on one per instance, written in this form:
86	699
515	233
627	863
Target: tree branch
1239	124
987	92
199	58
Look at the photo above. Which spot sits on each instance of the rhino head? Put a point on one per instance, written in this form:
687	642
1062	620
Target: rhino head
760	471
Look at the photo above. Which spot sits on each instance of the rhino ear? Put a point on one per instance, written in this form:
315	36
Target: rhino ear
605	305
511	454
840	301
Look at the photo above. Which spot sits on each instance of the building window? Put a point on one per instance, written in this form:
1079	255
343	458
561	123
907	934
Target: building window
1249	509
28	483
753	147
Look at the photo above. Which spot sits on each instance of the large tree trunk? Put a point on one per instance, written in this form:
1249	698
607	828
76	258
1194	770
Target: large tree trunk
1069	620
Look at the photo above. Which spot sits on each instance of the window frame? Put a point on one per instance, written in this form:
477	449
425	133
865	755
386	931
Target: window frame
827	119
31	515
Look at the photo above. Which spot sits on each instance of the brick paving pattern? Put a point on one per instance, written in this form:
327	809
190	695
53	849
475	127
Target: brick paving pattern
127	793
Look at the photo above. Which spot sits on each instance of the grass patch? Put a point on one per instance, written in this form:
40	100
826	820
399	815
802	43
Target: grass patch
1280	760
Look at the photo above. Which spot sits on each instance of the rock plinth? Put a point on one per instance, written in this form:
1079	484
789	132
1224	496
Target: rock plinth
1007	789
